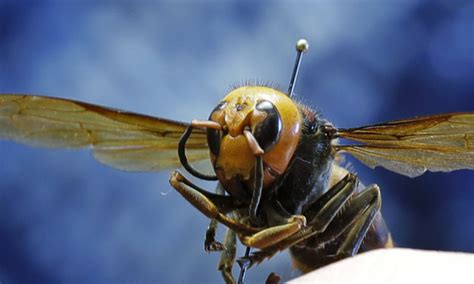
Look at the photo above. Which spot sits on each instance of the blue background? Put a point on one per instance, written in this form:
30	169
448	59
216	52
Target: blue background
66	218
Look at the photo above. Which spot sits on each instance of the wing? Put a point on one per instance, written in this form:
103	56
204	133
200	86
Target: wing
443	142
123	140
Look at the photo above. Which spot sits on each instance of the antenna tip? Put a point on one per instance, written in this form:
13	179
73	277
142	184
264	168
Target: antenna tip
302	45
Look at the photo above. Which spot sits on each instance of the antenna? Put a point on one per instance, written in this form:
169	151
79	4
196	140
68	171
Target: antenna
301	47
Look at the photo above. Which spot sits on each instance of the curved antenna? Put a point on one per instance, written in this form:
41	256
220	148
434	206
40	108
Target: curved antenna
301	47
184	160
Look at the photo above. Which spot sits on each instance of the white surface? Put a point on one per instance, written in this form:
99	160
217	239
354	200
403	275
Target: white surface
397	266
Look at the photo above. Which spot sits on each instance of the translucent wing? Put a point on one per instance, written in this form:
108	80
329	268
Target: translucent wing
443	142
123	140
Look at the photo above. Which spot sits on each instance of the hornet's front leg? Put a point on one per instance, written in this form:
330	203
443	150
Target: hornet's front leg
210	243
268	238
272	235
212	205
327	220
217	206
228	257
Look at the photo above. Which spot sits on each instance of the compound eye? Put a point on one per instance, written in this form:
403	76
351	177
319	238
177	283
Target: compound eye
213	135
267	131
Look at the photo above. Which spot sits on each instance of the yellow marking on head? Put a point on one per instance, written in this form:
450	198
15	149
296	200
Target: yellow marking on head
235	157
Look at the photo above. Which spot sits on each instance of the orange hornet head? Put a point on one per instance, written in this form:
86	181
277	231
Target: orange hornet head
274	121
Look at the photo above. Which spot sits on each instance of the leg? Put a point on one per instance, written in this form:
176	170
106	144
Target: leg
356	219
353	221
321	214
210	243
227	257
275	234
267	238
344	236
357	233
211	205
250	236
323	211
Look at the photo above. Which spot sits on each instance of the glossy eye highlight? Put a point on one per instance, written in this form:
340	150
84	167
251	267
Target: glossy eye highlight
267	131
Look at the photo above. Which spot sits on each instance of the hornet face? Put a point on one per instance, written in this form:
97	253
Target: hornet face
253	117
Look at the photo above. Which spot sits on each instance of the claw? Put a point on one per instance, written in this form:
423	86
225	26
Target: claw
213	245
298	218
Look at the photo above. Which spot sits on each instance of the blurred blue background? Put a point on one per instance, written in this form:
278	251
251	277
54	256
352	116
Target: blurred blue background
66	218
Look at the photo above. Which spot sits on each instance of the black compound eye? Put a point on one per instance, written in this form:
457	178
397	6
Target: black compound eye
213	135
267	132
